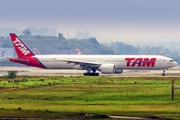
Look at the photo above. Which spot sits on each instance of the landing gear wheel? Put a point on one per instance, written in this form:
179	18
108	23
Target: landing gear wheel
163	73
96	74
91	74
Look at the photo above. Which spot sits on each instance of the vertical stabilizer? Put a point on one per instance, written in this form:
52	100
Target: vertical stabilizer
36	51
161	53
21	49
69	53
2	55
78	52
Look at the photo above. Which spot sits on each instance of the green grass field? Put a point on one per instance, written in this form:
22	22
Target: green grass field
74	97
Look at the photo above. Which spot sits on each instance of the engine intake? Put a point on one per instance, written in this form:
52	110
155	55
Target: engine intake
107	68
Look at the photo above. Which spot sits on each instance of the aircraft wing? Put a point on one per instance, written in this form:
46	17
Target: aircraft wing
82	63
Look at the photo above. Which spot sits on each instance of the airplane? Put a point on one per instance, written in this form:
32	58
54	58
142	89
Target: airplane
69	53
107	64
161	53
78	52
36	51
2	55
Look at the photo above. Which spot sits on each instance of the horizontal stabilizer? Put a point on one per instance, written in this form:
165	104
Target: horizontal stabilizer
16	59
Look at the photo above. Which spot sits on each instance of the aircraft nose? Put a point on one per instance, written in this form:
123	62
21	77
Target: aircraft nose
175	63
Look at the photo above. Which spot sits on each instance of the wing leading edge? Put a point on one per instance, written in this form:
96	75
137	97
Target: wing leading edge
81	63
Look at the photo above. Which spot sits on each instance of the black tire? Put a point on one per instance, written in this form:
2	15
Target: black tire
96	74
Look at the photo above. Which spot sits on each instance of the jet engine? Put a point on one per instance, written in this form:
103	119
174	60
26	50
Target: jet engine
107	68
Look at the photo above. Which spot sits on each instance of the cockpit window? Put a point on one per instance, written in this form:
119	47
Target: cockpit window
171	60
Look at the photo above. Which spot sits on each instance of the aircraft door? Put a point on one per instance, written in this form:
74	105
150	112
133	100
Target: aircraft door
160	62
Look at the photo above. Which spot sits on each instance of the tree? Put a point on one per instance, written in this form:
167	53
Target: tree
2	38
93	40
26	32
12	74
61	37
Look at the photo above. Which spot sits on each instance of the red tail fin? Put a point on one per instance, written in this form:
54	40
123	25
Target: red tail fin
161	53
20	47
36	51
78	52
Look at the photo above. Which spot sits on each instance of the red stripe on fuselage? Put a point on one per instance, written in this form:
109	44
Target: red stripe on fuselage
32	61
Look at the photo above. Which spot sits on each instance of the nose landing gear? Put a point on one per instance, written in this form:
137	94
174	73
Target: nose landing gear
164	73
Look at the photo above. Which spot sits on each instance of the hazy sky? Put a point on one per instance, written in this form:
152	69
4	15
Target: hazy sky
119	20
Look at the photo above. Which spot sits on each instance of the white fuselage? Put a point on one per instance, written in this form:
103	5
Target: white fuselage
141	62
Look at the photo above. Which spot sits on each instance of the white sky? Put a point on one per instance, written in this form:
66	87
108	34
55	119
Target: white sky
118	20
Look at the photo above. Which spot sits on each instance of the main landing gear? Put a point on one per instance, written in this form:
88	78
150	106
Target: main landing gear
164	73
89	73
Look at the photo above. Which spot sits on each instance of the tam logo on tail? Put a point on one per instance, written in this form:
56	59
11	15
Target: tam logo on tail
21	46
21	49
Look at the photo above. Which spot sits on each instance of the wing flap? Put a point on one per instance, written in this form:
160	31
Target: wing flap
80	62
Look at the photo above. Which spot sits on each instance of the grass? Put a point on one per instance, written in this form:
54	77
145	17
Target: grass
59	97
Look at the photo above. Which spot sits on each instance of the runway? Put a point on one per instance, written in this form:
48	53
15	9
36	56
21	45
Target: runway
175	72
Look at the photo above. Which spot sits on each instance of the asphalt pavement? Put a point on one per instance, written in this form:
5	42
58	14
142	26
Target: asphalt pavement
38	71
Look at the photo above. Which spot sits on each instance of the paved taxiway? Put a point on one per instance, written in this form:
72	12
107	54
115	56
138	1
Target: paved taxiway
38	71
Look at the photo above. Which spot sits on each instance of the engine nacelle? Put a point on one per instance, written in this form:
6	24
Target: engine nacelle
119	71
107	68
